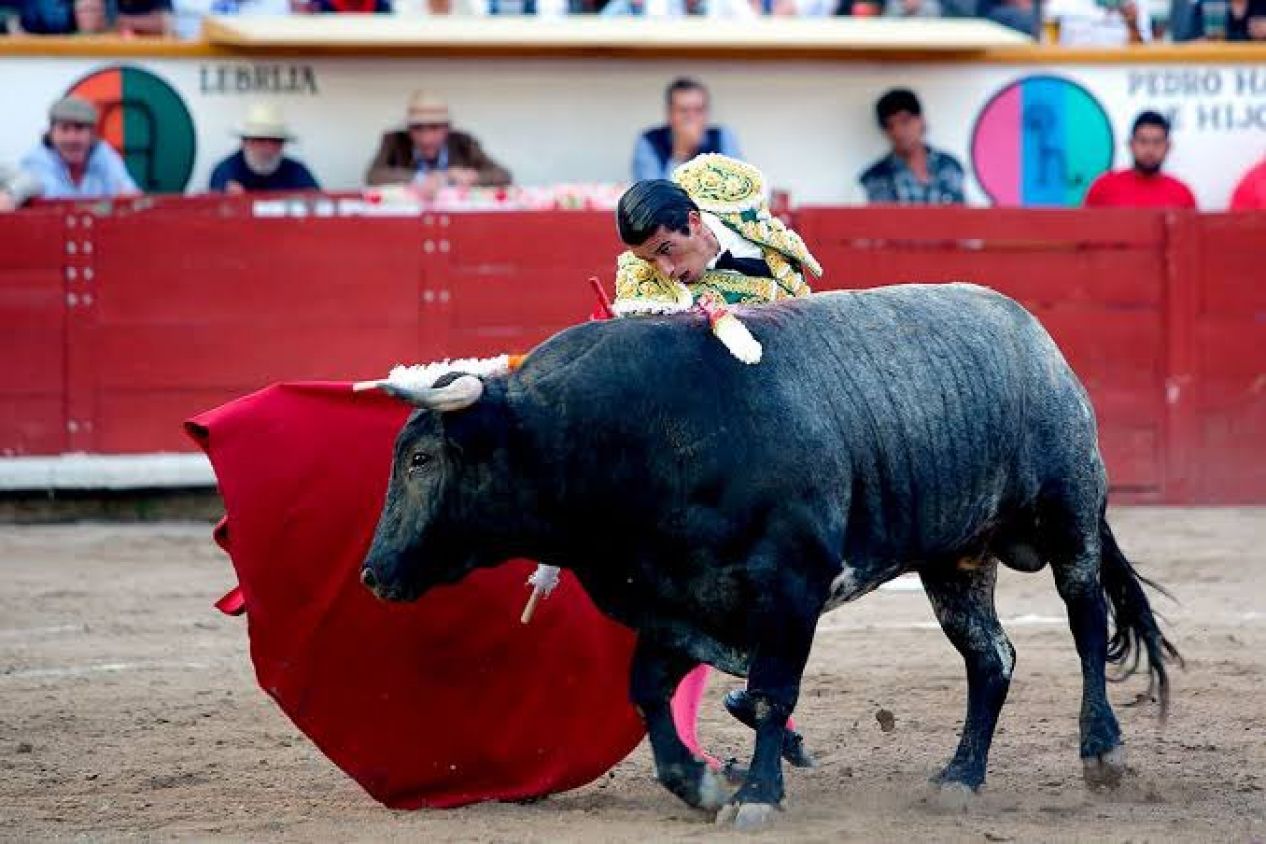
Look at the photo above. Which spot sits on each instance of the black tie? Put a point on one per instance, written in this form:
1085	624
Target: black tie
755	267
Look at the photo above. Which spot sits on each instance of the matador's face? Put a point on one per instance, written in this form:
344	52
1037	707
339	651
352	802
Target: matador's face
681	256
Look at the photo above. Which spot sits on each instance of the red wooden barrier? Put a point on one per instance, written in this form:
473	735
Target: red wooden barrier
497	282
1096	280
34	284
1228	373
126	320
219	308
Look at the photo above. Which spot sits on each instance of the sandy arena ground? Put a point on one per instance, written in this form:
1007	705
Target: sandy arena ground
128	709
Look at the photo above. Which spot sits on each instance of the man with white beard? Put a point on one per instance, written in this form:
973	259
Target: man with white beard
260	165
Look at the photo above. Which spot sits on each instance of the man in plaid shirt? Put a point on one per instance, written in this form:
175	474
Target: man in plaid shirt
913	173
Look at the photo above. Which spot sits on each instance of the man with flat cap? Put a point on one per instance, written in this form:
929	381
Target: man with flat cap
71	162
430	154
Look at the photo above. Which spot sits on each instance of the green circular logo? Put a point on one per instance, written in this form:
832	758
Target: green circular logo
146	121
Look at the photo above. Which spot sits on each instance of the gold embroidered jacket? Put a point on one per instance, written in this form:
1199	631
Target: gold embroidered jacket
735	193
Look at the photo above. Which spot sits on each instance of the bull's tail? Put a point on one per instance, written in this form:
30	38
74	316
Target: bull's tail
1135	625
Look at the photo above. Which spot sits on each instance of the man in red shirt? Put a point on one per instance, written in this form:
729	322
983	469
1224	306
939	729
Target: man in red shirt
1250	193
1143	185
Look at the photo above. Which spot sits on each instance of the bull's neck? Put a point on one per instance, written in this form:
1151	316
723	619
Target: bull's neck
501	508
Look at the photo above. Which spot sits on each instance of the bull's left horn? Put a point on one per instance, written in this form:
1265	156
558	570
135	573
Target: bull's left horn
463	392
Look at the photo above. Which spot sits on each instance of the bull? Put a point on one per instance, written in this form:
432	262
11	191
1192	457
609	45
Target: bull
718	509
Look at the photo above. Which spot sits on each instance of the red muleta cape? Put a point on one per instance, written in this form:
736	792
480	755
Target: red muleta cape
446	701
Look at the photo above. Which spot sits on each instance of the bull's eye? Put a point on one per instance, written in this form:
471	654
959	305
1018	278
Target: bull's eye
419	459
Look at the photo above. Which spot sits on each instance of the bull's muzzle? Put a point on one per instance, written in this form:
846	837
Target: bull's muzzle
384	590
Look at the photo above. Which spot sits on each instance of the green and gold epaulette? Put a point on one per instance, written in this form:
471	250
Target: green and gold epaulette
735	192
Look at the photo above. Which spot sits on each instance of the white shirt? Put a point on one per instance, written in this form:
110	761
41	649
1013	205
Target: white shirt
730	240
713	9
188	14
1092	23
816	8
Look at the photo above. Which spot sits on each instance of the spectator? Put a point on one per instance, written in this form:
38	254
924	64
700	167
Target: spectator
361	7
803	8
10	15
64	17
912	9
913	173
508	8
260	164
1020	15
1143	185
687	133
16	187
188	14
716	9
71	163
1180	20
645	9
929	8
1250	193
144	17
483	8
1101	23
1245	20
431	154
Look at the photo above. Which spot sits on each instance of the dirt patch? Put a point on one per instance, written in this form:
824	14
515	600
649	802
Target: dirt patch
128	708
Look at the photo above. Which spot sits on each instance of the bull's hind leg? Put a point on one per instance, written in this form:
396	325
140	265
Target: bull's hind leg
962	598
655	675
1075	559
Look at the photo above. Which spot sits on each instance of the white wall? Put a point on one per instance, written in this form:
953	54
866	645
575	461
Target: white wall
808	125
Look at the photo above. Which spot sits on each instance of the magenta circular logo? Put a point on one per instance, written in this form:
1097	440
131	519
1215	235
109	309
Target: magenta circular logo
1041	140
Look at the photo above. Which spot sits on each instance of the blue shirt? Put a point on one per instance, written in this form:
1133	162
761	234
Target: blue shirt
634	8
648	164
289	175
890	180
421	167
105	174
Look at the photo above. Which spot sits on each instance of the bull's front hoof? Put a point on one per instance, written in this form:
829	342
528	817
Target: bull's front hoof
697	785
1105	770
713	791
955	774
748	817
952	796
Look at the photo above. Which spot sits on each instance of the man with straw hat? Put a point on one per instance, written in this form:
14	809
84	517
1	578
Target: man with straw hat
260	164
430	154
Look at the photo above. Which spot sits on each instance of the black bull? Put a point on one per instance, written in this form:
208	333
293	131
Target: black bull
719	509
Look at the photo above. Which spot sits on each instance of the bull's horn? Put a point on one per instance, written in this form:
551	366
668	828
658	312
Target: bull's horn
463	392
